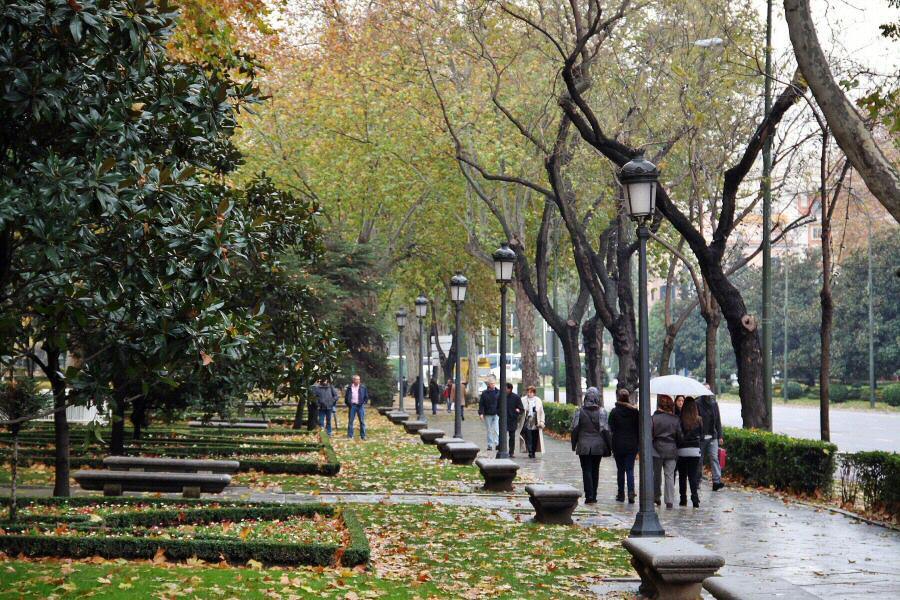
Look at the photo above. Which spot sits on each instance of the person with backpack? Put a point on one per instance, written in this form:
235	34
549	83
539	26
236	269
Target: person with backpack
591	441
689	452
625	425
712	440
326	399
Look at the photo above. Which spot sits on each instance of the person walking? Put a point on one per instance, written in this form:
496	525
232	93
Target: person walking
712	439
689	452
414	394
448	395
666	431
326	399
591	441
679	402
489	411
355	397
434	394
625	425
514	411
533	423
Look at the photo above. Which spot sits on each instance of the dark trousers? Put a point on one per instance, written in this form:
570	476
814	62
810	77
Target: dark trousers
531	440
688	471
625	472
512	442
590	474
434	405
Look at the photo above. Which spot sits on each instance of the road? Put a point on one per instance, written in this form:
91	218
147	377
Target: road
851	430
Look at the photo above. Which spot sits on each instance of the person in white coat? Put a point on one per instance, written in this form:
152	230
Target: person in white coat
533	423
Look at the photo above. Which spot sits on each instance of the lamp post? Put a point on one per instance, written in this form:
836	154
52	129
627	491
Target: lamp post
639	178
421	312
401	323
504	261
458	285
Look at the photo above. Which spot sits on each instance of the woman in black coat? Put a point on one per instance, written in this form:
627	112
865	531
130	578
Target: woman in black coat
689	451
590	441
625	425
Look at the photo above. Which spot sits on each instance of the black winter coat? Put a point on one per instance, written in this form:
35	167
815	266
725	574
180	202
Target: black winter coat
514	409
625	424
489	402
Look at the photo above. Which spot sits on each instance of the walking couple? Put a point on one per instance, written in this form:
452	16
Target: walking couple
524	419
356	396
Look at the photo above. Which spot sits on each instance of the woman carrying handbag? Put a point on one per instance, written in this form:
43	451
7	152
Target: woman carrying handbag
591	441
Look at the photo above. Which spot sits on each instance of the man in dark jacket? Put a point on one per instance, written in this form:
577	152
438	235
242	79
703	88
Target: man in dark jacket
489	411
434	394
514	410
625	424
326	397
355	397
712	438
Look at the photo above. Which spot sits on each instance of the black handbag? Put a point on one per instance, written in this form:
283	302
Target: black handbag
607	442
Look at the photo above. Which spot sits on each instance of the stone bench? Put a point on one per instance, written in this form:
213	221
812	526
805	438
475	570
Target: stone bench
235	424
498	473
553	503
414	426
383	410
397	417
170	465
114	483
462	453
431	436
441	444
752	587
671	568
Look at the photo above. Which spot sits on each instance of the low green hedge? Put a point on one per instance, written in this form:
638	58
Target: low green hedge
786	463
876	475
558	417
891	394
794	390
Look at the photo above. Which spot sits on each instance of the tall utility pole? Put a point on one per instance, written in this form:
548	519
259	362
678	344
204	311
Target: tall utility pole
555	311
766	233
871	323
784	372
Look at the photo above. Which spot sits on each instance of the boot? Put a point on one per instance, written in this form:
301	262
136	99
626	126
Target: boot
620	497
630	498
682	502
695	500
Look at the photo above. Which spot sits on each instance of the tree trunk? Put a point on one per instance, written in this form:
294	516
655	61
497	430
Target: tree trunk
825	334
139	416
713	319
527	343
471	388
15	476
665	354
298	414
60	423
881	176
569	345
593	352
117	438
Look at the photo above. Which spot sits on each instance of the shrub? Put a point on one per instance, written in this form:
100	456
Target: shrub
785	463
558	417
838	392
794	390
876	475
891	394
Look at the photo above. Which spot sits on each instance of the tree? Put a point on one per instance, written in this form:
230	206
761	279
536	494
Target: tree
848	128
18	403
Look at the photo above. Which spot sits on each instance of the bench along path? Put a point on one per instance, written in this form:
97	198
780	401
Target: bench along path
115	483
170	465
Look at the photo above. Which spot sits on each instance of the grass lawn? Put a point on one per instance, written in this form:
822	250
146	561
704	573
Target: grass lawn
417	552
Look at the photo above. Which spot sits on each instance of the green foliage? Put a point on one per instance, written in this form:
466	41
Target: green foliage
876	475
838	392
18	399
785	463
558	417
794	390
891	394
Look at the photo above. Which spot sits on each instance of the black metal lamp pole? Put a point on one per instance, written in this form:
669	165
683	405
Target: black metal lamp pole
504	260
458	285
421	312
639	178
401	323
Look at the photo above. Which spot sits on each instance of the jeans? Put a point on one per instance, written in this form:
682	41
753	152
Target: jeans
325	414
492	425
357	409
625	471
710	448
531	439
689	469
590	474
664	466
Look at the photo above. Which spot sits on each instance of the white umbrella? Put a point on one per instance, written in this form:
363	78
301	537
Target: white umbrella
677	385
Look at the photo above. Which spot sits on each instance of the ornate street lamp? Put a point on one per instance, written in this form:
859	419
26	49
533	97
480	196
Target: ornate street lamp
458	286
401	323
504	261
639	177
421	312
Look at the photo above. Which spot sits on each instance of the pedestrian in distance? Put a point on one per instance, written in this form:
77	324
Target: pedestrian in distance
355	397
591	441
712	440
448	395
689	452
434	394
533	423
326	399
414	394
625	425
666	431
489	412
514	412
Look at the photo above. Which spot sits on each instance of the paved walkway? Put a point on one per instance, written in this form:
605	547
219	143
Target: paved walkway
833	556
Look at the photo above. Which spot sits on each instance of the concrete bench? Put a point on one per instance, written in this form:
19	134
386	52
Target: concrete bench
397	417
170	465
462	453
441	444
114	483
383	410
498	473
431	436
752	587
235	424
414	426
671	568
553	503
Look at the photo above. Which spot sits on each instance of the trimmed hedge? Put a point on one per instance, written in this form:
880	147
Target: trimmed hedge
558	417
210	549
794	390
891	394
785	463
876	475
